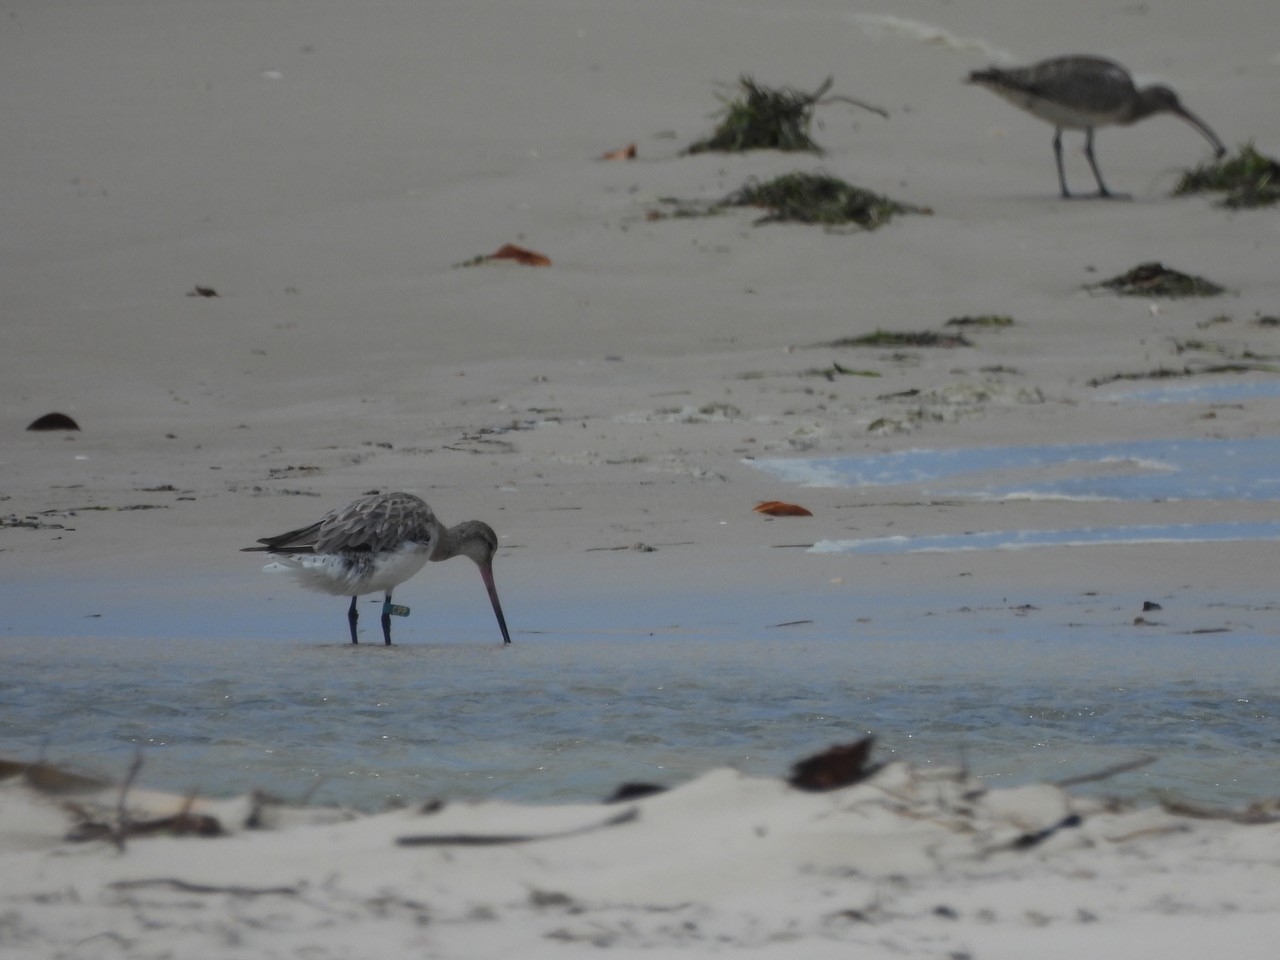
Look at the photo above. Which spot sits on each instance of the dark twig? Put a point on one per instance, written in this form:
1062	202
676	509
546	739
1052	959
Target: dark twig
187	887
857	103
122	813
501	839
1106	773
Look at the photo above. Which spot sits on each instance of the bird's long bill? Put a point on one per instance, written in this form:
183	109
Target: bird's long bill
486	573
1191	118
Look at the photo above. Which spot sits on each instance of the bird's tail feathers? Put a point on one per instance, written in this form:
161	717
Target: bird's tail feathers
326	573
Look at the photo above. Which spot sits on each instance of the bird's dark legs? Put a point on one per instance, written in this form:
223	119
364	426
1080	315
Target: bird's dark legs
1057	156
386	618
1093	164
353	616
1103	192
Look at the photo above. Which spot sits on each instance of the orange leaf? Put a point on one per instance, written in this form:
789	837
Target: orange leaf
777	508
509	251
625	153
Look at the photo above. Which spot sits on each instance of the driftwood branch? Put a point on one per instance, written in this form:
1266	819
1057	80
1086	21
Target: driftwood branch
185	886
857	103
500	839
122	812
1106	773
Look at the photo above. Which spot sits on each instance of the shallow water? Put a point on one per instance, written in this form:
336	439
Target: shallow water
1077	537
685	684
1193	469
660	688
1151	470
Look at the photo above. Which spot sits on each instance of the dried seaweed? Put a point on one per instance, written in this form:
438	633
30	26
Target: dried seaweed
1248	179
902	338
29	523
838	370
770	118
981	320
818	198
1154	279
1190	370
764	118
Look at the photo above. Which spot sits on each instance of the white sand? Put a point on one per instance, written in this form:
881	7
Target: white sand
325	165
909	864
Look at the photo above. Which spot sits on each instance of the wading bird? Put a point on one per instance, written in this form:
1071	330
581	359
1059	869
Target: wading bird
1080	93
375	544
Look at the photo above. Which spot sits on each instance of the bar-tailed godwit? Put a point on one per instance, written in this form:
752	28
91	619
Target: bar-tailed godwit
1080	93
377	543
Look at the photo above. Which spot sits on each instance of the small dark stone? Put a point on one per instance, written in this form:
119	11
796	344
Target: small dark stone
1150	605
53	421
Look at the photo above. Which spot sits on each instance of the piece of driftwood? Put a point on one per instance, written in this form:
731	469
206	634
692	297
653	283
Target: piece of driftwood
502	839
1106	772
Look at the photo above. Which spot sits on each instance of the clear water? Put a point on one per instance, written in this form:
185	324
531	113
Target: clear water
1150	470
579	704
1078	537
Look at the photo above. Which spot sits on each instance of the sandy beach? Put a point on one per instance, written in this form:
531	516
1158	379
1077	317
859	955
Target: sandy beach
329	170
908	864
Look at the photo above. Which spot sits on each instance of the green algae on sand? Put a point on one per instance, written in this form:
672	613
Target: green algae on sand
1154	279
818	198
1247	179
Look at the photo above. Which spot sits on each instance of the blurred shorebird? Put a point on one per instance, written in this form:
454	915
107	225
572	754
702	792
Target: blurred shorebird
377	543
1080	93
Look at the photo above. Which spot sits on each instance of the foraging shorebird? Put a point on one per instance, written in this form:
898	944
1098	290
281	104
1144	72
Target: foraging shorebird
377	543
1081	93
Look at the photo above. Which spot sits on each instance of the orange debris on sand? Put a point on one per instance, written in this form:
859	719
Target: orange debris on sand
625	153
777	508
530	258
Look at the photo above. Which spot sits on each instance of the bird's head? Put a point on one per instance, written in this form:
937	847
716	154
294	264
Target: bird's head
1160	99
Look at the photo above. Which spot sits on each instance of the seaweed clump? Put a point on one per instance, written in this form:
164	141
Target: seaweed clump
764	118
903	338
1156	280
818	198
982	320
1249	179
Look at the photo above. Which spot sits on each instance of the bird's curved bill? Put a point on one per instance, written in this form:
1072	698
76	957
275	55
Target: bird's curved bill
486	573
1218	149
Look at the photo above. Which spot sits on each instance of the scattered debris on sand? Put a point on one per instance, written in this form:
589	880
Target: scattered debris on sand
1248	179
1154	279
819	198
769	118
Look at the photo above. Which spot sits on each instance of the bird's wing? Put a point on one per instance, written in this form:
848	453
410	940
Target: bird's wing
1091	83
375	523
302	540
